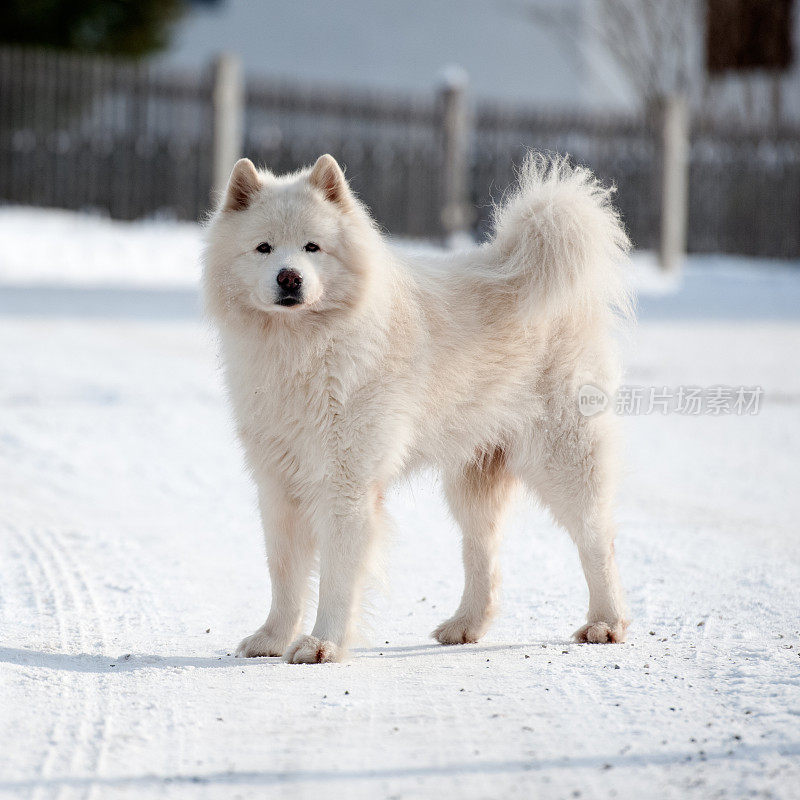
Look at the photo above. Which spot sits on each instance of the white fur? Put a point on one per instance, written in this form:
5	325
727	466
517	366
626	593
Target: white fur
470	363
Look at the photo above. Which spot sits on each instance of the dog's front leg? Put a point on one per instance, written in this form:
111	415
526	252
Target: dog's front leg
346	543
290	552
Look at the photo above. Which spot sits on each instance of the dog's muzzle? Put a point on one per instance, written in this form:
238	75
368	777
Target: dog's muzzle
290	288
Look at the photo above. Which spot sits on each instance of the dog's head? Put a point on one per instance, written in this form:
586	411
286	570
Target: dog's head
288	245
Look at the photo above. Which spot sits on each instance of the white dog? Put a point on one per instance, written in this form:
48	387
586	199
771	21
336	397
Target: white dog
349	364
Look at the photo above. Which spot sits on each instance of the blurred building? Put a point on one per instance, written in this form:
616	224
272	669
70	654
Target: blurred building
390	44
545	53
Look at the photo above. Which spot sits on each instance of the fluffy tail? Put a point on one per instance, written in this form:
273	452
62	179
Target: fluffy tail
561	244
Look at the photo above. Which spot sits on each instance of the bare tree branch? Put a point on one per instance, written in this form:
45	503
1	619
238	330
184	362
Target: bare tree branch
652	42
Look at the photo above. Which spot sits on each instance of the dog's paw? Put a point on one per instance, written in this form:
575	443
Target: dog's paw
310	650
602	632
260	643
458	630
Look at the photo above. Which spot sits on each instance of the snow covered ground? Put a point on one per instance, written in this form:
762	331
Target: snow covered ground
131	564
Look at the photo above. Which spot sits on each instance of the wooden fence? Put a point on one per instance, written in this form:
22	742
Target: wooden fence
134	140
97	134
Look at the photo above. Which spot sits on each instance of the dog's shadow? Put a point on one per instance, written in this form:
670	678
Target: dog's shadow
86	662
414	651
99	663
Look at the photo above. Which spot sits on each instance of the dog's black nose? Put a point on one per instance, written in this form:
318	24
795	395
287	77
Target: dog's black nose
289	280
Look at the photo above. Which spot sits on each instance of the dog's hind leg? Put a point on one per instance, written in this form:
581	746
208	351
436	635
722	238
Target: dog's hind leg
478	497
290	554
574	477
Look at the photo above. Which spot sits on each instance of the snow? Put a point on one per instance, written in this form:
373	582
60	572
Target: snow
132	563
50	247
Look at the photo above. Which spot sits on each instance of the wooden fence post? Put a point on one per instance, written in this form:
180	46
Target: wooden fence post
456	212
228	126
674	132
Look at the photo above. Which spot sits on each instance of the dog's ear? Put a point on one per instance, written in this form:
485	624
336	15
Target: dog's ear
327	176
243	186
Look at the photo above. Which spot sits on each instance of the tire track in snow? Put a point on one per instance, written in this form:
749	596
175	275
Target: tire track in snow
49	603
82	737
62	593
95	724
36	575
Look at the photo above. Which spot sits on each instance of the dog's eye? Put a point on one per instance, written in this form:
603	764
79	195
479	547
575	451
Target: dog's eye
311	247
264	247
